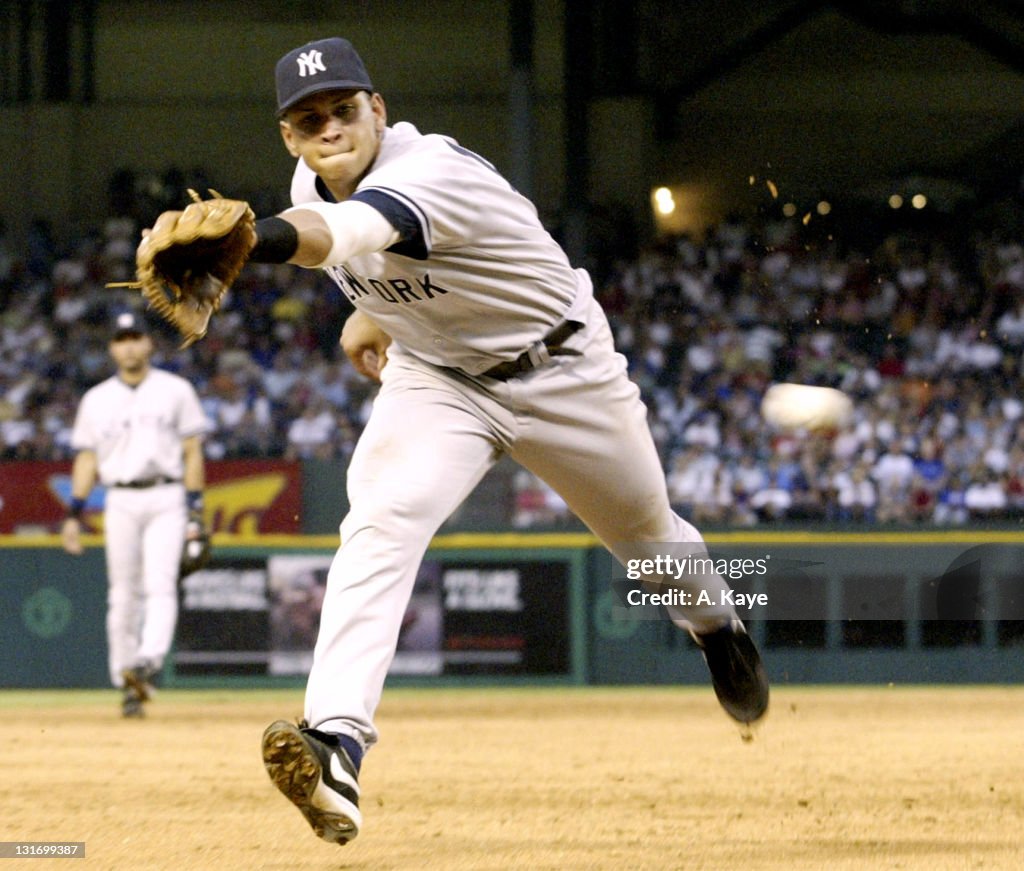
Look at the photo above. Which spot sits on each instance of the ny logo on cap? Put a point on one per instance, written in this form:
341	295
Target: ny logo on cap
311	62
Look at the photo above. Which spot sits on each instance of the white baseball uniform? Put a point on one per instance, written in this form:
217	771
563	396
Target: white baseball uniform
474	281
136	434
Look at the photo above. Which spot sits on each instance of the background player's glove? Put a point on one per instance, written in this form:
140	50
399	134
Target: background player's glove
188	260
197	551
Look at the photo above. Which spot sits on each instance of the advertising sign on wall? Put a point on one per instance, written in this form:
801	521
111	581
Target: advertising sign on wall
465	617
243	497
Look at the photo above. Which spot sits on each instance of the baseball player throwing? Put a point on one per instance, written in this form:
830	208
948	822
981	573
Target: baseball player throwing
487	343
140	432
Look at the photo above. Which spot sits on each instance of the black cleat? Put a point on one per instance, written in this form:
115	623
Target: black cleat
140	681
316	775
131	705
737	673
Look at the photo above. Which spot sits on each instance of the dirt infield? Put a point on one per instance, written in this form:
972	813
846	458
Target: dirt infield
837	778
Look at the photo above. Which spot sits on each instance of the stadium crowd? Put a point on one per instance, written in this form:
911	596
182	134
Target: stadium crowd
925	336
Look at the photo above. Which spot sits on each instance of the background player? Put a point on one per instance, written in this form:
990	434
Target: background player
140	432
486	341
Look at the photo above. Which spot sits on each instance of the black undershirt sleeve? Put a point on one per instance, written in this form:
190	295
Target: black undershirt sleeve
276	241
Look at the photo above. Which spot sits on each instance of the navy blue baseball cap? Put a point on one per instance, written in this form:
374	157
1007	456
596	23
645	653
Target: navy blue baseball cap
129	324
324	65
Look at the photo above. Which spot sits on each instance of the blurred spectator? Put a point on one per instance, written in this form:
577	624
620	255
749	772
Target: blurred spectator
950	507
282	377
328	383
1010	326
891	364
251	436
536	504
928	479
856	494
985	497
16	432
773	500
703	431
747	479
716	505
692	481
309	435
893	472
1015	483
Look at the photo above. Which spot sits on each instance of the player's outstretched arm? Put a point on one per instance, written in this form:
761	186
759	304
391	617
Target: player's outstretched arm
83	476
188	260
315	235
365	344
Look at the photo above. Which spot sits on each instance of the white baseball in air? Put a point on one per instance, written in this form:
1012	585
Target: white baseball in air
801	406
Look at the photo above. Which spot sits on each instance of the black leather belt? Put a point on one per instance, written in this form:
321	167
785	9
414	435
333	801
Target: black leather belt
527	361
143	483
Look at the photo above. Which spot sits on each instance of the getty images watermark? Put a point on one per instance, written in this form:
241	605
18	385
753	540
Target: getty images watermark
822	578
684	581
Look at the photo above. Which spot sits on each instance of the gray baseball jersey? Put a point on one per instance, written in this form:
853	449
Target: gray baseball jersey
136	432
476	278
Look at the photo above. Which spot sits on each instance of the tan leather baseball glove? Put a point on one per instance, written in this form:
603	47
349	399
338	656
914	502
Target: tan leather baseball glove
188	260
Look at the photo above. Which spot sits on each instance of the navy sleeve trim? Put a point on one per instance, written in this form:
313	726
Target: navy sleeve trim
402	217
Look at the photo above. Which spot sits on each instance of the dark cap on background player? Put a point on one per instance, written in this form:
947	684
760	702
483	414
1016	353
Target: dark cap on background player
129	324
323	65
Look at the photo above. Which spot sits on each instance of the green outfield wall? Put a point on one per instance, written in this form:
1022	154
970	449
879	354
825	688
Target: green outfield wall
913	607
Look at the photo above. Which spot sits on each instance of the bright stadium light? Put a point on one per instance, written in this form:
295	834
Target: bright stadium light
789	209
664	202
824	207
895	201
919	201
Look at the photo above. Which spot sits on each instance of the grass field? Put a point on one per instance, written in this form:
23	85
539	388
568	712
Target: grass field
633	778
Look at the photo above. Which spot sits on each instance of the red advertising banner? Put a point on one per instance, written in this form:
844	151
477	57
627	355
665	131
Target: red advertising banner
243	497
